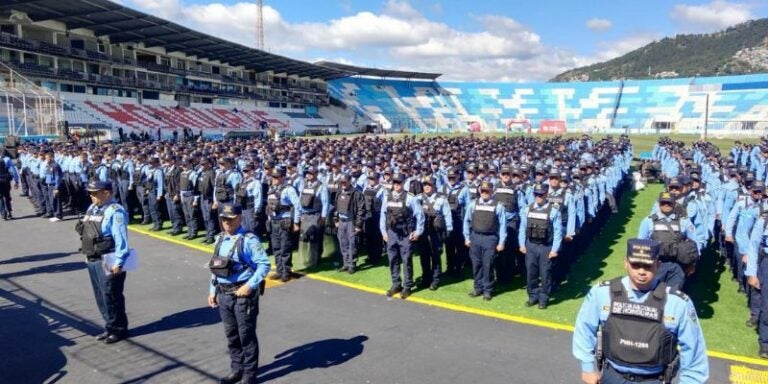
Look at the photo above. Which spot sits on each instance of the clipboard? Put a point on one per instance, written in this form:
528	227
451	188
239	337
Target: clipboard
131	262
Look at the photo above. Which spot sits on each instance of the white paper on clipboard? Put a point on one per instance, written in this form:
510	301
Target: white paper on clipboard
131	262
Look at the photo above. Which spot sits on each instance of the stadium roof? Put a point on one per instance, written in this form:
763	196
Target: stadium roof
122	24
362	71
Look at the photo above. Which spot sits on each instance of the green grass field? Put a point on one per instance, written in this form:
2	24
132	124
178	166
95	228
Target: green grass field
722	311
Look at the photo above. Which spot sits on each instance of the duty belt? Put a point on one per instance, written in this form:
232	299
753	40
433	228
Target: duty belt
230	289
637	378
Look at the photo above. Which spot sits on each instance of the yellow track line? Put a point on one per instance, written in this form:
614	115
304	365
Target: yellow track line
200	247
449	306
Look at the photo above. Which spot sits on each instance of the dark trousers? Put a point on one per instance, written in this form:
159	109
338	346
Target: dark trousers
347	243
248	222
34	195
430	248
5	199
154	210
280	238
190	214
671	273
53	202
144	202
455	249
373	240
610	376
482	252
175	213
124	193
24	182
208	217
238	314
312	234
108	291
510	261
539	267
399	252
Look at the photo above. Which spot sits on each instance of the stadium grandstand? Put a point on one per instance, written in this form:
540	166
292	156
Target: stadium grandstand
99	64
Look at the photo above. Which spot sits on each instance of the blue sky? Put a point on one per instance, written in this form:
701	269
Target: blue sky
465	40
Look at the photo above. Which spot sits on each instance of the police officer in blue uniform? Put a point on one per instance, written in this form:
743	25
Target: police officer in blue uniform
8	173
438	223
188	194
52	181
348	218
238	266
103	230
315	206
283	215
636	329
485	233
540	237
154	189
204	186
373	195
401	224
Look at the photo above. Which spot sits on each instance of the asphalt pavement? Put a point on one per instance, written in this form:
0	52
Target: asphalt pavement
309	331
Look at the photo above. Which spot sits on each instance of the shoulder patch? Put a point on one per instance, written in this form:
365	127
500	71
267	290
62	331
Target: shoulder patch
679	294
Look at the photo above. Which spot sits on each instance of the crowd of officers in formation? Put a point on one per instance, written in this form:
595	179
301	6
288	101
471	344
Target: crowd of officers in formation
714	201
500	207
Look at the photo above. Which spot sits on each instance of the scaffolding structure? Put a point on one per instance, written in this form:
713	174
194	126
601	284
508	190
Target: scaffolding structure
27	109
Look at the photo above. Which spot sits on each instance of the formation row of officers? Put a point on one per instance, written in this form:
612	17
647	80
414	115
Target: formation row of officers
518	218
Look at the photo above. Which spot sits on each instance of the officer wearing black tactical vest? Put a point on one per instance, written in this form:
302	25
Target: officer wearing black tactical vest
187	192
104	230
238	266
373	194
283	215
637	329
509	192
204	198
438	222
457	194
348	219
485	232
314	212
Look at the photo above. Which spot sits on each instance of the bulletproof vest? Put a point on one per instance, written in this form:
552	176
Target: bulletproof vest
558	200
274	207
387	186
124	174
507	195
473	190
681	206
225	266
309	200
372	204
224	191
94	243
344	201
333	188
634	334
415	187
241	195
433	219
172	177
151	183
93	172
399	217
668	234
538	228
138	173
184	183
452	195
484	217
5	174
205	184
115	170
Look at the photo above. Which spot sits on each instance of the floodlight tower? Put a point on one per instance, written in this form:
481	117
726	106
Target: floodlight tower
260	24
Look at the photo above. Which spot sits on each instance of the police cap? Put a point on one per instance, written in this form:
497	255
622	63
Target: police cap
540	190
642	251
229	210
95	186
397	178
666	197
486	186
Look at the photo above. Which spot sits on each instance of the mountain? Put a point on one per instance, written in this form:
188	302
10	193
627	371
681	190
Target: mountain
740	49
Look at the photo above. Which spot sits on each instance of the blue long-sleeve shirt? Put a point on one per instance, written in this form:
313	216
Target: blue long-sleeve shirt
743	217
253	261
679	318
412	203
321	193
554	220
758	240
11	168
130	168
114	223
501	216
53	174
686	227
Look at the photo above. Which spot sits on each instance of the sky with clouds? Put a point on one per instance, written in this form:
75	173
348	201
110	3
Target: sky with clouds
483	40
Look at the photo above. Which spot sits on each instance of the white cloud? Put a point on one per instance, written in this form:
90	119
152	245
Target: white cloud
611	49
710	17
398	36
599	25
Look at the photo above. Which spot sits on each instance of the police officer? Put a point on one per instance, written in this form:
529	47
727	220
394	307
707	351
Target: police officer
438	222
314	213
188	192
238	267
104	230
401	224
248	196
485	232
283	215
540	238
348	219
125	182
225	183
509	192
154	190
373	194
204	198
628	330
8	173
669	229
52	182
457	195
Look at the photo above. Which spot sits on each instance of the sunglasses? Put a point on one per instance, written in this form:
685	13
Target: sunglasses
645	266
